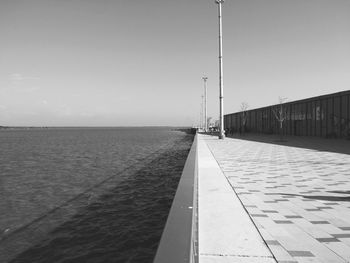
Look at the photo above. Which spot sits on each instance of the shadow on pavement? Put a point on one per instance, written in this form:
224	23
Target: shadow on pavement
306	142
333	198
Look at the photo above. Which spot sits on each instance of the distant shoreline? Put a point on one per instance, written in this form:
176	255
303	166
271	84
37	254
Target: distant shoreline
74	127
188	130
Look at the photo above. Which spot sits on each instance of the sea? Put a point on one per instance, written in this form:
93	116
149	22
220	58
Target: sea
87	194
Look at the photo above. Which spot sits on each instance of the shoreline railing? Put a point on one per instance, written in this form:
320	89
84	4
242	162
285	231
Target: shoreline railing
179	241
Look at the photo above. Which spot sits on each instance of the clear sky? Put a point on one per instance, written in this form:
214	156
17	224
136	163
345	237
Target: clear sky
138	62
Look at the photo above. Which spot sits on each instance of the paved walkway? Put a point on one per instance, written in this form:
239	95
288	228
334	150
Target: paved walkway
226	232
298	199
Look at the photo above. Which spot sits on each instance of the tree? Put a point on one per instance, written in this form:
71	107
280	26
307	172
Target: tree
280	113
209	122
244	115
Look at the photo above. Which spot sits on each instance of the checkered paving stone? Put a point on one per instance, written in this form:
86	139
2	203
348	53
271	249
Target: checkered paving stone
298	198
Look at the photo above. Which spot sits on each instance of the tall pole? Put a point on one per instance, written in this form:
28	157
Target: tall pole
205	105
221	84
201	120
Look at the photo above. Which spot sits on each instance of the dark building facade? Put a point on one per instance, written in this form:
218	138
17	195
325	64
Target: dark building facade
324	116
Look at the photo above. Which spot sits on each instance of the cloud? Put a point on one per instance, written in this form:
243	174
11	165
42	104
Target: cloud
22	83
17	77
31	89
64	111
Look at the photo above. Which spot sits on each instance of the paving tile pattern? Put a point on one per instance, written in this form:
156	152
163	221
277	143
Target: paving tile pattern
298	198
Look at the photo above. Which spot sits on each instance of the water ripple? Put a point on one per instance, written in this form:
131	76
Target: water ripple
117	219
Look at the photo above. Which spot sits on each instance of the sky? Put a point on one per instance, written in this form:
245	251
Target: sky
141	63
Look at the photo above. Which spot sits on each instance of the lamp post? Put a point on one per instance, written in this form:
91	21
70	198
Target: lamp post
201	126
205	105
221	96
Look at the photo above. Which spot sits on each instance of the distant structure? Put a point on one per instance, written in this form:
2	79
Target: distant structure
324	116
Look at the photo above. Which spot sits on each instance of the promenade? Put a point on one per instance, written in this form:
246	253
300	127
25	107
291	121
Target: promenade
261	200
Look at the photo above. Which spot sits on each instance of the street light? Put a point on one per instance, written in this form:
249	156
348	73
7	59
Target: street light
201	115
221	85
205	104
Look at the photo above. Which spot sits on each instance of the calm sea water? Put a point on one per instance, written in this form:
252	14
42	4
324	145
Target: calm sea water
87	194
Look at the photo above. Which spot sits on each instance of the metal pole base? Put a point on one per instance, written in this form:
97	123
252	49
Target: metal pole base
222	136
